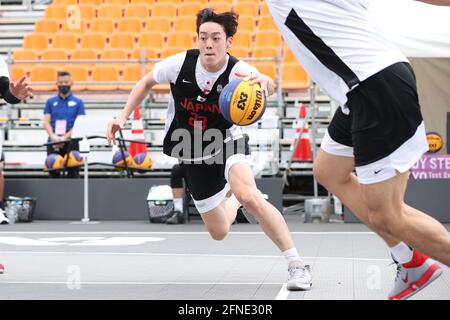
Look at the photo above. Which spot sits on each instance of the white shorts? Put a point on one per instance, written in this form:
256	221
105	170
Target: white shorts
401	160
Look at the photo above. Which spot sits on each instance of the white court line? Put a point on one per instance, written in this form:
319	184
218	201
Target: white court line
142	283
283	293
206	255
186	232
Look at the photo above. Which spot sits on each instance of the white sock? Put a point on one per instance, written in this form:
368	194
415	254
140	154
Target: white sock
402	253
291	255
178	204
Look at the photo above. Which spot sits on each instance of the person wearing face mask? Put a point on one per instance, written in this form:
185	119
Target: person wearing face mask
60	114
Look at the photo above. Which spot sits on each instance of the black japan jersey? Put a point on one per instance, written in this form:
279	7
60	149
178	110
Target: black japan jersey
195	111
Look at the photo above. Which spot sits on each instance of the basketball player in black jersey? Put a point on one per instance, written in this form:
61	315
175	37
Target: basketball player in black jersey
196	78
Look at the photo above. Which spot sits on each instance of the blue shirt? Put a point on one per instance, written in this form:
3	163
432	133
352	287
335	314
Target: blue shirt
64	109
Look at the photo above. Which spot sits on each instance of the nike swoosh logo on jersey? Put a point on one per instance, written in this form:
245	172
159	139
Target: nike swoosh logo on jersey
185	81
378	171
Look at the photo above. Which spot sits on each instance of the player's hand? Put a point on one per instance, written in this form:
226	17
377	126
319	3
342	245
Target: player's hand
21	89
259	78
114	126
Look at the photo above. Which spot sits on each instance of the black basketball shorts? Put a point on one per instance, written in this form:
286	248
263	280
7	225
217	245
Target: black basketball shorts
208	183
384	130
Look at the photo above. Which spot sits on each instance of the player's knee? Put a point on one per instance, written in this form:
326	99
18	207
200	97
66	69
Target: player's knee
251	199
328	177
218	233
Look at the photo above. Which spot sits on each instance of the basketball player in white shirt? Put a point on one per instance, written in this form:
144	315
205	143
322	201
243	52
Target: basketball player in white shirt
378	130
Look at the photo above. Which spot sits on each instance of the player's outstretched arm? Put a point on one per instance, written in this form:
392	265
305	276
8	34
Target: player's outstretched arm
137	95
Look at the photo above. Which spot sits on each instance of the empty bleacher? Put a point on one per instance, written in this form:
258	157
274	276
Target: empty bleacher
107	45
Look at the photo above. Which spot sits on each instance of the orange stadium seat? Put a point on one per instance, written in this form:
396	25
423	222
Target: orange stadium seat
133	25
202	2
243	39
25	54
264	10
37	41
17	72
102	25
143	1
114	54
220	6
228	2
93	2
268	39
181	39
177	2
122	40
247	23
55	11
109	11
119	2
239	52
267	23
79	74
267	68
87	11
84	54
64	41
157	24
137	11
40	74
189	9
95	41
294	77
153	40
247	7
47	25
65	2
168	10
149	53
265	52
104	73
185	24
131	73
171	51
55	54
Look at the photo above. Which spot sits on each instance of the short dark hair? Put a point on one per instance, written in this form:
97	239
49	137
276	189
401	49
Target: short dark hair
63	74
228	20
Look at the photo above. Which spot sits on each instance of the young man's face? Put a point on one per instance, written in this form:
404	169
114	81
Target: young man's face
213	44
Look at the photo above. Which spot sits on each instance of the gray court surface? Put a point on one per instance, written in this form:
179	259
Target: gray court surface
139	260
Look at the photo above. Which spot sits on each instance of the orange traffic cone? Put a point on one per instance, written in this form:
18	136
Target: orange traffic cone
303	151
137	133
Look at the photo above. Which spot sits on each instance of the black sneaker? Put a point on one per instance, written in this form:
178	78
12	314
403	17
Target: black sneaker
177	218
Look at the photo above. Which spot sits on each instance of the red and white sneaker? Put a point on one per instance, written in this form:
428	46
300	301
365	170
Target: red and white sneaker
414	276
2	269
